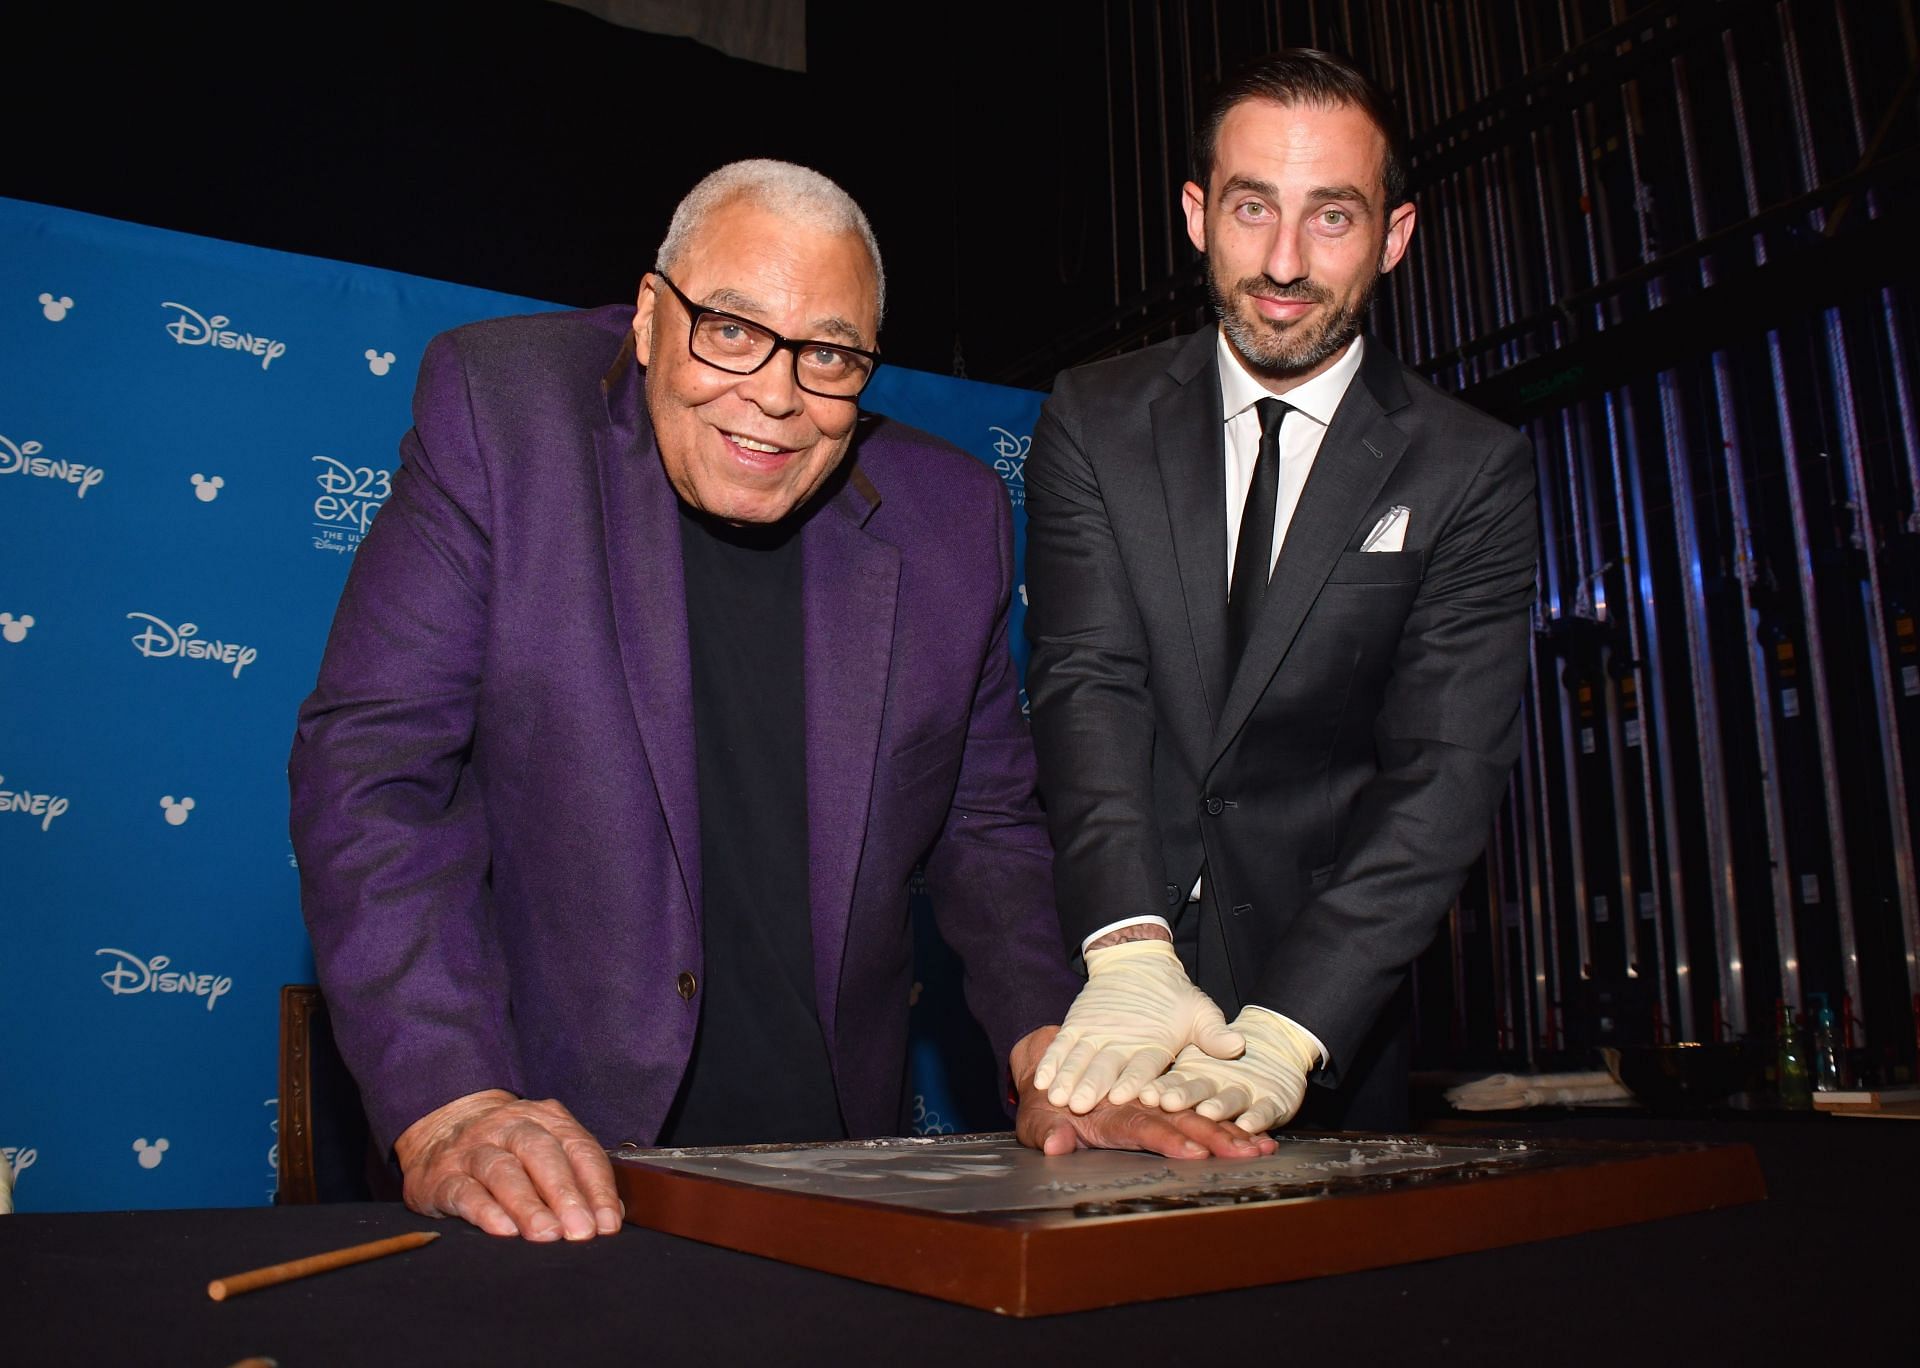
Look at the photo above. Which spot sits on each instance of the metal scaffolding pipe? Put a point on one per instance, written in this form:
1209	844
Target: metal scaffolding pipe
1618	791
1507	1029
1786	940
1805	575
1570	781
1635	676
1657	742
1859	496
1528	949
1547	979
1889	306
1572	744
1730	989
1497	929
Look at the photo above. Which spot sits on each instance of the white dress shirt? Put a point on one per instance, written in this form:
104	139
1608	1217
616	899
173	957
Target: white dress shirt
1312	404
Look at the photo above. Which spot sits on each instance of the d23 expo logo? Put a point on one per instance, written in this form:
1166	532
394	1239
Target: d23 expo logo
132	974
157	640
1010	462
349	498
25	458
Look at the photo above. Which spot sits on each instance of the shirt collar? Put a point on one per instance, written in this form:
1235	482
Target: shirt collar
1317	398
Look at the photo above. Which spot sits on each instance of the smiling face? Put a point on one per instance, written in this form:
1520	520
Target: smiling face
1297	232
752	448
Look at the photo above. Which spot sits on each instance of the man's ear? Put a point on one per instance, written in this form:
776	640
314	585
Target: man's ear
1399	234
643	320
1193	203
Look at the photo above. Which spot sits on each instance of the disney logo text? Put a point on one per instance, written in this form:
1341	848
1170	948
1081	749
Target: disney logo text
25	459
192	329
157	640
42	805
131	974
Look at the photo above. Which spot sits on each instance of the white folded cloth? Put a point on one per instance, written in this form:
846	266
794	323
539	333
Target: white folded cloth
1507	1091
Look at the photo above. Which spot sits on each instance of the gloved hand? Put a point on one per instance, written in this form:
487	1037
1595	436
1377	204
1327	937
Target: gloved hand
1136	1013
1258	1091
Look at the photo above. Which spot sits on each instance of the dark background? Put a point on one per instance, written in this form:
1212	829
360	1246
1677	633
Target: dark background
524	146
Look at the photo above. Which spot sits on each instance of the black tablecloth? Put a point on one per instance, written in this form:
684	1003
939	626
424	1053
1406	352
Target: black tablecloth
1825	1266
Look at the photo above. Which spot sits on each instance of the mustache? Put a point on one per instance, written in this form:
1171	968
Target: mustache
1299	290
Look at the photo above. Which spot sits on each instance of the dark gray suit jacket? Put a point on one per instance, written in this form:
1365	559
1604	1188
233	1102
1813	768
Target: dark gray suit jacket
1337	787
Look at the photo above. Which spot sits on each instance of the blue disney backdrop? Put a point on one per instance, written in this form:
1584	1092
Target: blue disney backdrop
194	436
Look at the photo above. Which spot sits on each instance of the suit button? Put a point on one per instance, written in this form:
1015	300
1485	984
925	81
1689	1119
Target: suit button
685	984
1214	806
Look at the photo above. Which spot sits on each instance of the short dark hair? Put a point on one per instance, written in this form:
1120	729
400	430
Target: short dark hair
1295	76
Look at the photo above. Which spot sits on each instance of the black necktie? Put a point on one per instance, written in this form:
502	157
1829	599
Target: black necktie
1253	554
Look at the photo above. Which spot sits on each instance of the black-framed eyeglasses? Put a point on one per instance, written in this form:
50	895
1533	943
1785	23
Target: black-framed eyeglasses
741	346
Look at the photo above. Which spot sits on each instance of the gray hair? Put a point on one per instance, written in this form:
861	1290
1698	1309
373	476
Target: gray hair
797	193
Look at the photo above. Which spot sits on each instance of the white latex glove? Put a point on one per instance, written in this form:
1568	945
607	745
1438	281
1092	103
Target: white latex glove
1258	1091
1136	1013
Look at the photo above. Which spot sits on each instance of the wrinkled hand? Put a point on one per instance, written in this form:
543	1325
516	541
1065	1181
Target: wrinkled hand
1136	1013
511	1167
1258	1091
1051	1129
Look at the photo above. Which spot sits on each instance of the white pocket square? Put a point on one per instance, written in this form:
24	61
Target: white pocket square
1390	533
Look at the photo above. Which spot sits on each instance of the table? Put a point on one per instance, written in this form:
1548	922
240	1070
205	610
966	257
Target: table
1766	1282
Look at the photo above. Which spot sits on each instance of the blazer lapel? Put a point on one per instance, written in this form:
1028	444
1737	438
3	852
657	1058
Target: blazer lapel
642	529
1359	452
1187	442
849	586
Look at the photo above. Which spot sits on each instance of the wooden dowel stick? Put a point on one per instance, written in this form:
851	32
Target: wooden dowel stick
222	1288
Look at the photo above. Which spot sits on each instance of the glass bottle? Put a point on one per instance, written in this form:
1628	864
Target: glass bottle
1793	1073
1829	1061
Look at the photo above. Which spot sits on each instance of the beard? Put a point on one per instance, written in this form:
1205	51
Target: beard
1287	349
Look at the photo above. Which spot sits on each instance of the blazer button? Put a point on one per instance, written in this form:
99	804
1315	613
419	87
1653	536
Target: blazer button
685	984
1214	806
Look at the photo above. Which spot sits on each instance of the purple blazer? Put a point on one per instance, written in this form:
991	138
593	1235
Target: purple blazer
494	796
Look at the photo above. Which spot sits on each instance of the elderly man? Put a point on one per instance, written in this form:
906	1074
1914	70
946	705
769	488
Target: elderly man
656	677
1271	742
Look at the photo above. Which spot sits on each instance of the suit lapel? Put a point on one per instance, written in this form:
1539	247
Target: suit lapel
849	585
1359	452
642	529
1187	442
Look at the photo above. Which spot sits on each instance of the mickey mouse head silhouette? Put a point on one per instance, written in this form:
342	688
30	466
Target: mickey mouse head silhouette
54	309
177	812
151	1154
205	490
379	362
15	628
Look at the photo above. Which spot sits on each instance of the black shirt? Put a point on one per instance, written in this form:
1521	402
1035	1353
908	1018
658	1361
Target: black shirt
759	1071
